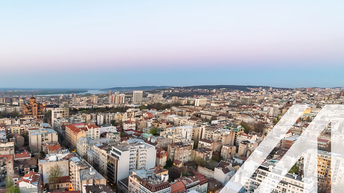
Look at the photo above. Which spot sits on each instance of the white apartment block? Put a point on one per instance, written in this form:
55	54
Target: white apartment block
200	102
289	183
85	144
137	96
92	131
100	119
82	174
134	156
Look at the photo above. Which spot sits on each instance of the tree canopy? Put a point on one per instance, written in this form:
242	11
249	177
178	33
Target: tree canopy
54	173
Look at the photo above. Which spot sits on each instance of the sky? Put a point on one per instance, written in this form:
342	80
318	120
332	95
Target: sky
103	43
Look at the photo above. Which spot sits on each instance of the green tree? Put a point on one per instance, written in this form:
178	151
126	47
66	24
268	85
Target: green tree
122	133
42	154
13	189
247	127
54	173
9	181
142	107
10	185
200	161
294	169
184	172
113	122
154	131
169	163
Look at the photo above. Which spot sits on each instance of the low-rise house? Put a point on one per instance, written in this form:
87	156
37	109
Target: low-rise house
30	183
23	166
161	157
51	148
148	181
22	156
60	183
223	172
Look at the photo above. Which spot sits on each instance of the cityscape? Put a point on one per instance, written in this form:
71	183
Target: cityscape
176	139
169	96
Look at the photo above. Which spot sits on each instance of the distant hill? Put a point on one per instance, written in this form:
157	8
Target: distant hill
137	88
210	87
229	87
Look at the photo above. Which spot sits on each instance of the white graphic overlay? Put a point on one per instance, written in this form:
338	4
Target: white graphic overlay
305	145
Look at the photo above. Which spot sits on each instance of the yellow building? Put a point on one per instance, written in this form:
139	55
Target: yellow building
73	133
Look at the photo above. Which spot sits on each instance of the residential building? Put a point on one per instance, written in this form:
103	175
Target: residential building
161	157
54	160
82	174
100	153
75	131
147	181
200	102
6	148
134	156
137	96
37	137
30	183
179	151
289	182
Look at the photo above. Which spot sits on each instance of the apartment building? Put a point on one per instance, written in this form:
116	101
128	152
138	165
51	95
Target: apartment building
75	131
45	165
82	174
179	151
289	182
6	166
149	182
161	157
37	137
246	148
100	154
137	96
84	144
200	102
213	145
127	125
134	156
117	99
228	151
6	148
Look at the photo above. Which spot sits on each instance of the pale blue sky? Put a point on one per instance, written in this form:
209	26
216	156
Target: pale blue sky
96	44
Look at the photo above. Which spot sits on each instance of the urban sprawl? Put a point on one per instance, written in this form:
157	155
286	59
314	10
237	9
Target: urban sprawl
169	140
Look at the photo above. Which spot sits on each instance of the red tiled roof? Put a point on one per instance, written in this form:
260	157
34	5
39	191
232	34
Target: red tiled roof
8	156
177	187
54	147
73	128
24	154
160	153
77	127
30	178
